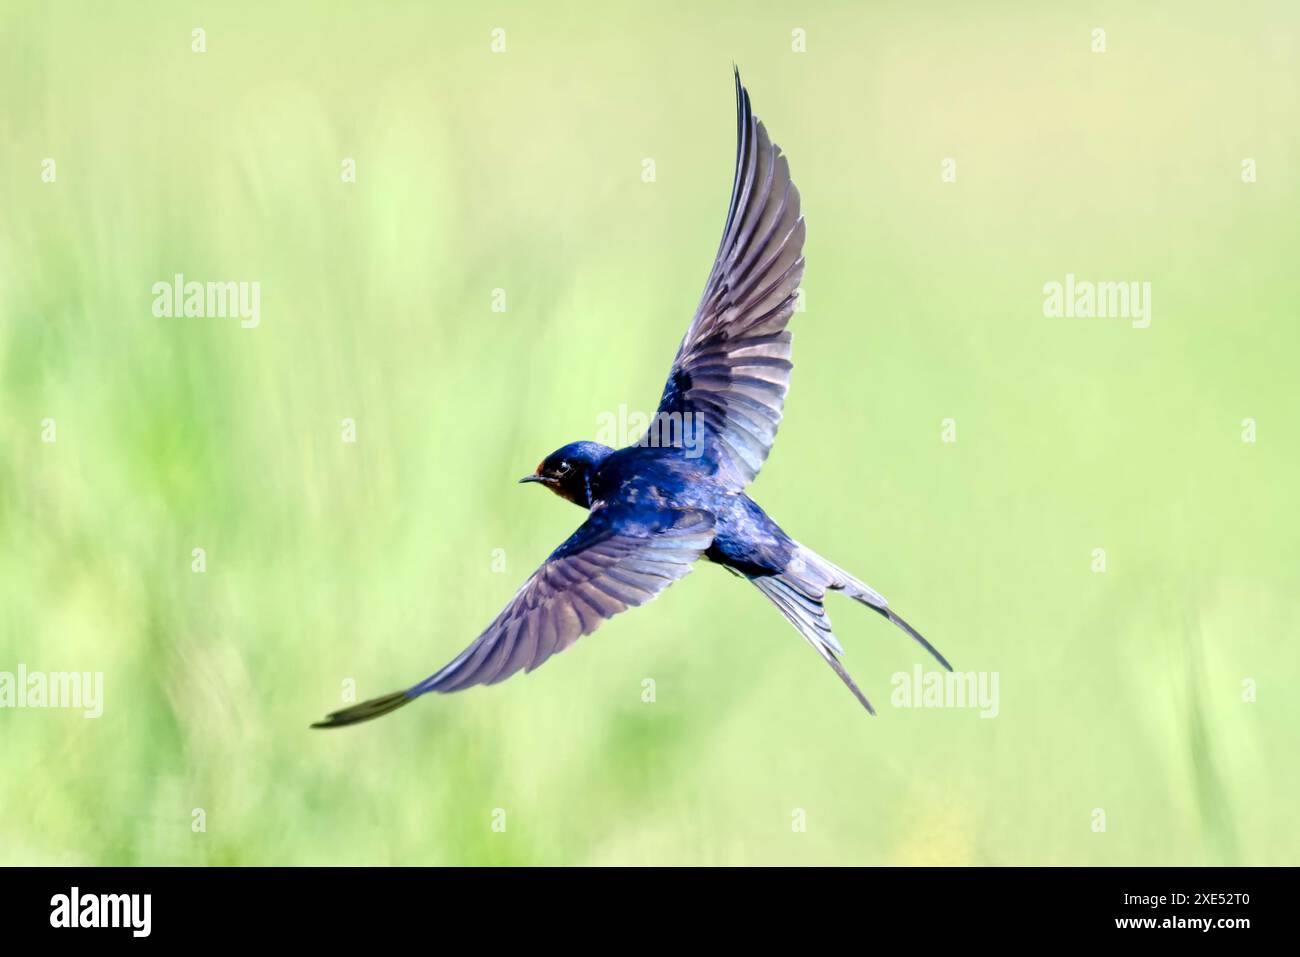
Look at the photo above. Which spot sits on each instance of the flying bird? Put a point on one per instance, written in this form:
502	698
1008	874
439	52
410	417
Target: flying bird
657	506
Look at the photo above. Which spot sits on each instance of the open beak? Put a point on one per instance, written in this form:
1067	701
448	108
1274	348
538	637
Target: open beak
532	478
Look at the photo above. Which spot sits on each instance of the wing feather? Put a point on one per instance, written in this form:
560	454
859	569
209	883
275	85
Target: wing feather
732	369
607	566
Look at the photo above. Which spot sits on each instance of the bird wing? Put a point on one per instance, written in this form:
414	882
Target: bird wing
732	369
620	557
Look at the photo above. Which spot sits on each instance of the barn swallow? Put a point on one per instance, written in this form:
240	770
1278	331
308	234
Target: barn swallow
660	504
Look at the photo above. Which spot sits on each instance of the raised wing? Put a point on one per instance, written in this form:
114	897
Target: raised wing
732	369
618	558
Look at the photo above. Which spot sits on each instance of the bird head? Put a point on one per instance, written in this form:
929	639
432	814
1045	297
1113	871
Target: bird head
569	470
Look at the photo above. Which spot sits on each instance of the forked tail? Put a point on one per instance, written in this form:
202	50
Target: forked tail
798	592
811	568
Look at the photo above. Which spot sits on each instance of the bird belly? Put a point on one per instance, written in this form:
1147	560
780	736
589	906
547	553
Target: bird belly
746	540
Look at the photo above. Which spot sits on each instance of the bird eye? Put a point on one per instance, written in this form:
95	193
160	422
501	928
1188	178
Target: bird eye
564	469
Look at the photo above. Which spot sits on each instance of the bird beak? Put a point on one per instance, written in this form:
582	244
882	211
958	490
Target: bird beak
532	478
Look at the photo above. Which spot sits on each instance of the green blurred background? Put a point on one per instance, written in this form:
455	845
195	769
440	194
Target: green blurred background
374	561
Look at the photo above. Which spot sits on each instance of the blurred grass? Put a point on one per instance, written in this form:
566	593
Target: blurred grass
373	561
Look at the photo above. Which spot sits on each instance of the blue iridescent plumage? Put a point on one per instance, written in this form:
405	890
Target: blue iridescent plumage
677	495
